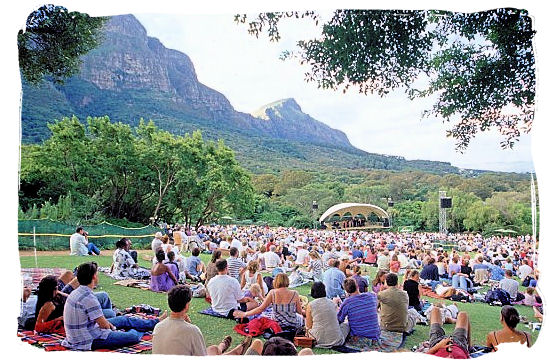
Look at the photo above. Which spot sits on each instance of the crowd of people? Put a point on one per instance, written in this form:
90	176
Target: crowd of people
345	302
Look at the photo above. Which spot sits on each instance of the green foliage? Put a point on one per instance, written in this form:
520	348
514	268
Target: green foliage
53	41
478	65
108	170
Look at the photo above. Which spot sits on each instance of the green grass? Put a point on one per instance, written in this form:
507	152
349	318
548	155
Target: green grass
484	318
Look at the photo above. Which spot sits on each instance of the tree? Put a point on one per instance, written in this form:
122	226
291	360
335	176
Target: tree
479	66
53	41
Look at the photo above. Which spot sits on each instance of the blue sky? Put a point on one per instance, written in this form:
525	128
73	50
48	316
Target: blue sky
249	73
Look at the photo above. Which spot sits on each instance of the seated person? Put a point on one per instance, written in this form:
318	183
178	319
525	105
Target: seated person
226	294
412	286
163	276
167	335
195	266
79	243
276	346
360	309
27	317
379	282
362	282
333	279
321	319
511	286
49	308
287	308
456	346
461	281
124	264
430	271
272	260
85	325
394	305
509	318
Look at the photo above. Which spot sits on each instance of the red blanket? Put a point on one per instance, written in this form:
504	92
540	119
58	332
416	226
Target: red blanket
257	327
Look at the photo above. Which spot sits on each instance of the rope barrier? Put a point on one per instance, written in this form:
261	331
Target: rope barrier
90	236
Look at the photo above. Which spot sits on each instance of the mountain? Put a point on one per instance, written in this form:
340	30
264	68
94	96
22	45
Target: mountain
132	76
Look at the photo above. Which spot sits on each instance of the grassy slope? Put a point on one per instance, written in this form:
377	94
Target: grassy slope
484	318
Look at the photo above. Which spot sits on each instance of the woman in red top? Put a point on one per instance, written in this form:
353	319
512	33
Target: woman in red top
49	307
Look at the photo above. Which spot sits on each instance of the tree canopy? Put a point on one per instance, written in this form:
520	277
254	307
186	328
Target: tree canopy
480	67
111	170
53	41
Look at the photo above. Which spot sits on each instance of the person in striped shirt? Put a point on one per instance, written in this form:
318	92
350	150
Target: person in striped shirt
235	265
361	312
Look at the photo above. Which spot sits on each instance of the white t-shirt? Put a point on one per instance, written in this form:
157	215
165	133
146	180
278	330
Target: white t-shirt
224	244
524	270
167	338
78	244
301	256
237	244
271	259
155	244
225	292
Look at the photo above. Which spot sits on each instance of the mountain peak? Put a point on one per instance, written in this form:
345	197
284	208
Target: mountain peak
126	24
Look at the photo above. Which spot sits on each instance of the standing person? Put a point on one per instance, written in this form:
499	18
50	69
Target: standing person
80	245
86	327
226	294
167	335
394	305
360	311
509	318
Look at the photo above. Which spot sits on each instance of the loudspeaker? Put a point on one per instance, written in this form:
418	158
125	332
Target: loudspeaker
386	223
446	202
314	206
390	203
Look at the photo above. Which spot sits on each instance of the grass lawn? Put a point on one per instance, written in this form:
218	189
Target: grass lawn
484	318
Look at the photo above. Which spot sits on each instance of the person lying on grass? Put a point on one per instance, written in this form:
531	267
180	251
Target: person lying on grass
177	335
509	318
85	325
456	346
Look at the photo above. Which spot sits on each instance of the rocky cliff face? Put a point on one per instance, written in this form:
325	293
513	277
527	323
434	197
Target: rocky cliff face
130	60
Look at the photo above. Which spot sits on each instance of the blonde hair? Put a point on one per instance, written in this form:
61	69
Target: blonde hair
255	289
281	281
253	266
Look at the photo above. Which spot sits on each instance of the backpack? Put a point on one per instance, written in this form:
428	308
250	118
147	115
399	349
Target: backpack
497	296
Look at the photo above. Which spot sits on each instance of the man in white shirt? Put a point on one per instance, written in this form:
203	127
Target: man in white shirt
79	243
524	270
224	244
156	243
226	293
302	255
272	260
236	243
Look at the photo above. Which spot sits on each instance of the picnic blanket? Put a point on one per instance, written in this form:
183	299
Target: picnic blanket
134	283
32	276
52	342
141	273
388	342
268	313
475	351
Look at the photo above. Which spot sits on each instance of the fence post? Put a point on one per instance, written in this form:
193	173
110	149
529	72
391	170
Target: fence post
34	242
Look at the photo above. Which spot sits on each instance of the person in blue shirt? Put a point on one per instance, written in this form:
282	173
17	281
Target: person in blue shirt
430	271
333	279
356	253
497	273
